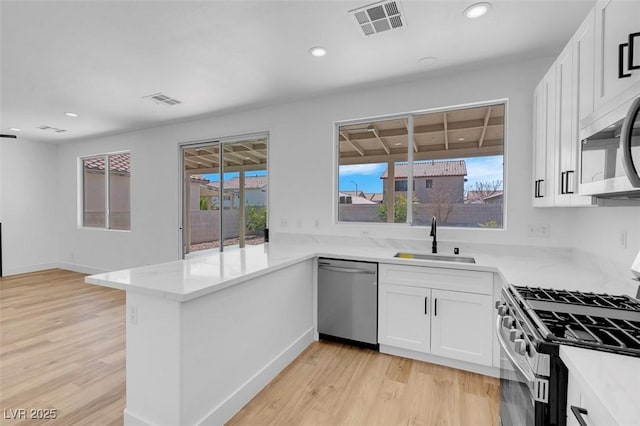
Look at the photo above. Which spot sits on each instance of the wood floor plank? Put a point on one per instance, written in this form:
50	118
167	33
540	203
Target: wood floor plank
62	347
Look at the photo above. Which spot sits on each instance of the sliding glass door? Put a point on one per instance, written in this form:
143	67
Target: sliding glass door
225	193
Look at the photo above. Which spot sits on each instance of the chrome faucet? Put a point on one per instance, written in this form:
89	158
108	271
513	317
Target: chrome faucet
434	245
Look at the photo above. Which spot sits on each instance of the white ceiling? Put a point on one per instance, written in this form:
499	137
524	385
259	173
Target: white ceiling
99	58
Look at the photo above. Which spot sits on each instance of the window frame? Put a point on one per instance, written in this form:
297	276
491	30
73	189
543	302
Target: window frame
81	193
409	115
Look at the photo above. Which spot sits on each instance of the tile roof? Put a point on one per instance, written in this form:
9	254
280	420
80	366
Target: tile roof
430	168
117	163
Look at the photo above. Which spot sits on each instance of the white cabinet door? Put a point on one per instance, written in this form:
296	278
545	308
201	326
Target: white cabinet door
579	394
544	140
566	127
615	20
404	316
584	47
461	326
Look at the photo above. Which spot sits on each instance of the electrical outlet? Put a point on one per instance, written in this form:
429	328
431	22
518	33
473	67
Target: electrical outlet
316	223
538	230
622	239
132	313
283	222
544	231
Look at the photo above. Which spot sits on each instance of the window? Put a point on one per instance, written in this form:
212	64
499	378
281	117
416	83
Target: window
454	156
106	186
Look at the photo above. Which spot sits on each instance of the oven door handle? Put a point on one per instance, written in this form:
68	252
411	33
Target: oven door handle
512	358
632	170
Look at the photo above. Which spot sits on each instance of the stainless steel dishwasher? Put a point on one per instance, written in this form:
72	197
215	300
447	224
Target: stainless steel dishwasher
348	301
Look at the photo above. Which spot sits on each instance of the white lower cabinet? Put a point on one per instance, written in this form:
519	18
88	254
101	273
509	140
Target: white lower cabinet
403	316
437	311
461	326
583	399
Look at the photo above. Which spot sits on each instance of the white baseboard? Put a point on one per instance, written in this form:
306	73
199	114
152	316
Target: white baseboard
54	265
133	419
453	363
241	396
29	268
81	268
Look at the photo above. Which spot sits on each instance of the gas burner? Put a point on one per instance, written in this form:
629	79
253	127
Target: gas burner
597	300
589	320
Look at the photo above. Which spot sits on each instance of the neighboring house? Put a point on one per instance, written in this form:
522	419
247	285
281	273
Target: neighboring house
484	197
355	194
376	197
255	189
345	198
433	181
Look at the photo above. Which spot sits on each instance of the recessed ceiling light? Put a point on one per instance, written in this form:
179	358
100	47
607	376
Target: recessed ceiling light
477	10
70	114
460	139
15	129
427	60
318	51
398	143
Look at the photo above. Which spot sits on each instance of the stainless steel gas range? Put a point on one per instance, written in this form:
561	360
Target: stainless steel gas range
531	325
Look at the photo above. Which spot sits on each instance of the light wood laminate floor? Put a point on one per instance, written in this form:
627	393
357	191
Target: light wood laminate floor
334	384
62	347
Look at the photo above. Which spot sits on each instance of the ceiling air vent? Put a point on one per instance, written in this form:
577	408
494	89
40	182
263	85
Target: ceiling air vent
52	129
160	98
378	17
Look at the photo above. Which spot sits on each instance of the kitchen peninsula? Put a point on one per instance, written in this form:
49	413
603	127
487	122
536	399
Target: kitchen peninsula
205	334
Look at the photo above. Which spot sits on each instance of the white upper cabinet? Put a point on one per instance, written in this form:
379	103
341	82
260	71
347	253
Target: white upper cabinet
544	100
615	21
566	115
564	97
584	46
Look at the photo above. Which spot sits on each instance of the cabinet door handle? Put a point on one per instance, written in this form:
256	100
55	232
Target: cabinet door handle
435	307
540	194
562	181
621	73
567	191
632	65
536	189
578	412
426	302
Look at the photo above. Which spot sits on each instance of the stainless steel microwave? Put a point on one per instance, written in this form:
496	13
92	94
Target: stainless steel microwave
610	158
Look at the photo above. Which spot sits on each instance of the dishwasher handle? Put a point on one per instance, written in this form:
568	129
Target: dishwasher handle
346	270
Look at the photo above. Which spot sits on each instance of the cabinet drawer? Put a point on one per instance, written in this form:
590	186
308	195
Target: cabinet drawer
439	278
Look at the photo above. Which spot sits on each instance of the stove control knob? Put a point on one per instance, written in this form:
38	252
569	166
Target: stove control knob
503	310
515	335
507	322
520	346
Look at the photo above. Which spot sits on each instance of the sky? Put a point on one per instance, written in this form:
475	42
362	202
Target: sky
214	177
367	176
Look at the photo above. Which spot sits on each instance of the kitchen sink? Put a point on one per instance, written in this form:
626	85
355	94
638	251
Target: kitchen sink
438	257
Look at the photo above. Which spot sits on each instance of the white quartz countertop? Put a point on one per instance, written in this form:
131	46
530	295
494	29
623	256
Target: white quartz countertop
613	379
184	280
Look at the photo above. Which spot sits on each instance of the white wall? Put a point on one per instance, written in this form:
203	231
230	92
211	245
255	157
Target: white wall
301	162
28	205
598	231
